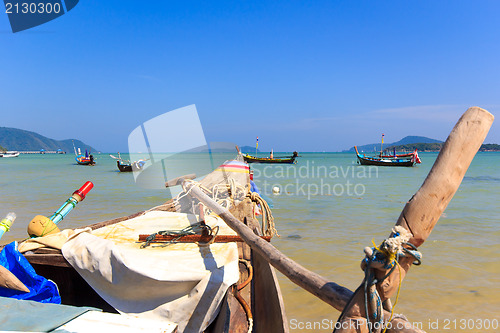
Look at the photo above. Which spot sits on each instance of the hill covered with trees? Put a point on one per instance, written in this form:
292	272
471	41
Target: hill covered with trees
21	140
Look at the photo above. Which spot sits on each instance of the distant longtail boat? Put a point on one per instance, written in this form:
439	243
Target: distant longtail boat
403	160
81	159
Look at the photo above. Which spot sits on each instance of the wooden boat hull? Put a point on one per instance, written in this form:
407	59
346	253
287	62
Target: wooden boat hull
385	162
381	161
8	154
268	160
263	294
124	167
82	160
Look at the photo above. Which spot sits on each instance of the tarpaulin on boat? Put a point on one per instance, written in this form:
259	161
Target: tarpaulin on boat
183	283
40	289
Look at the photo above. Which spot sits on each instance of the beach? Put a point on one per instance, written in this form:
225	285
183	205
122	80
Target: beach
329	208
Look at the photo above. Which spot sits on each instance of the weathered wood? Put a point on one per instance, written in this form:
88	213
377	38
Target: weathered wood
74	290
263	294
10	281
268	296
47	259
424	209
179	180
422	212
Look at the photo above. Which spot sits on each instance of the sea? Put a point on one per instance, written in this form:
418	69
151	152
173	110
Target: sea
327	209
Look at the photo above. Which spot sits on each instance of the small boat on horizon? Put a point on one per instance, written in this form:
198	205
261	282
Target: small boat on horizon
9	154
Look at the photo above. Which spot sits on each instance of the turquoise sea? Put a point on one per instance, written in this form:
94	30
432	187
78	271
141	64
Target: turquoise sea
328	210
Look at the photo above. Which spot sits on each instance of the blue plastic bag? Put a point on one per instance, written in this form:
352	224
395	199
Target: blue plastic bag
41	289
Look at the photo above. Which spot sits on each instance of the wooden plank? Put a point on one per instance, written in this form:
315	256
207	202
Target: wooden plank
74	290
47	259
268	307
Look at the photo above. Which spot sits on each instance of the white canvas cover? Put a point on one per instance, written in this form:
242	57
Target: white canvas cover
183	283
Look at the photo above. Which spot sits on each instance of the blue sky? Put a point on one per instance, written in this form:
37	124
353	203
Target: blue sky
306	76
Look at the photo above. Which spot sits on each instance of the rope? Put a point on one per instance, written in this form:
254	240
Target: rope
397	296
236	292
384	257
5	225
250	274
268	228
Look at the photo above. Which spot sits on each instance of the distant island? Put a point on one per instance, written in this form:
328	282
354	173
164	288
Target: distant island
434	147
21	140
412	139
410	143
249	150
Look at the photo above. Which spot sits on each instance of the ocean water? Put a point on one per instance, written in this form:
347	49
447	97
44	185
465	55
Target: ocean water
328	210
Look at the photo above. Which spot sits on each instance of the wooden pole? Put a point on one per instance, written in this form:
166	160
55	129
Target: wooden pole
421	213
10	281
329	292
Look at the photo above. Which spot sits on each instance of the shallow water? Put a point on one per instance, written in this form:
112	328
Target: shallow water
328	210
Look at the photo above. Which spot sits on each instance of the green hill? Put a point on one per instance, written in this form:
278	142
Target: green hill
21	140
437	147
489	147
404	141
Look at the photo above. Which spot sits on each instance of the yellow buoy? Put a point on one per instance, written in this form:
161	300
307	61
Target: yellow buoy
42	226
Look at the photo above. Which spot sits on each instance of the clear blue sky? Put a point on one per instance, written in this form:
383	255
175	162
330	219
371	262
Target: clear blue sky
306	76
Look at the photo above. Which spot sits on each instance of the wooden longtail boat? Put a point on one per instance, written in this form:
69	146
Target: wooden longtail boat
271	160
254	301
404	160
370	303
124	167
9	154
85	160
127	166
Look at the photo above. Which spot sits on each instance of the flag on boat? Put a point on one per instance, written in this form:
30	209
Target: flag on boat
257	144
382	137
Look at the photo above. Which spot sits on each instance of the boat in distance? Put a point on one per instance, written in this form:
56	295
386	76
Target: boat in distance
271	160
9	154
403	160
126	165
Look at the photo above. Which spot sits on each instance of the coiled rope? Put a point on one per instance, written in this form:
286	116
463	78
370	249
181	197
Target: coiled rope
384	257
